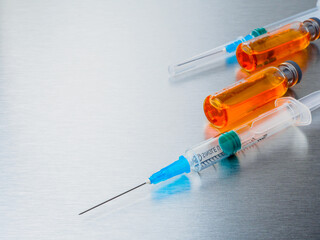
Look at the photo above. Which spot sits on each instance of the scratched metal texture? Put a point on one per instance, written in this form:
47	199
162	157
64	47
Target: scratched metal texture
87	111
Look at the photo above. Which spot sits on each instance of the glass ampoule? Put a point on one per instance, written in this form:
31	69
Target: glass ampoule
240	99
274	45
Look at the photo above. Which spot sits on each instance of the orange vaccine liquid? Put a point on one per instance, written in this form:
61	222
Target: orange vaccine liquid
212	131
239	100
274	45
302	58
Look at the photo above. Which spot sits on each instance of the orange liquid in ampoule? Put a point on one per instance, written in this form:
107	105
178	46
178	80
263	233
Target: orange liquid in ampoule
272	46
212	131
302	58
243	97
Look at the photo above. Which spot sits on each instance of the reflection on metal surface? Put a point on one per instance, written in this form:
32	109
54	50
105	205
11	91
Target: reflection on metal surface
180	185
229	166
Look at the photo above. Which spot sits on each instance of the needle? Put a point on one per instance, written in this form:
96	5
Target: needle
201	57
113	198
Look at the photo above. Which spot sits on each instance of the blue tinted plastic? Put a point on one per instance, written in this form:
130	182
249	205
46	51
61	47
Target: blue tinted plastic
232	47
176	168
231	60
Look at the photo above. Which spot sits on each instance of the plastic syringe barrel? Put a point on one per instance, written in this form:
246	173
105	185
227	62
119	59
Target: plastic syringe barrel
312	101
313	12
288	112
227	51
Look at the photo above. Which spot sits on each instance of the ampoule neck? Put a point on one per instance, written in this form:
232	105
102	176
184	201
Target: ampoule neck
313	26
291	71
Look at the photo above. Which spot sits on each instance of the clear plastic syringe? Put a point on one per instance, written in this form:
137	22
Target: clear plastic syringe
288	112
227	51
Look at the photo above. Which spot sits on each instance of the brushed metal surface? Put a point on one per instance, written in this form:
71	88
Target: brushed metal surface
87	111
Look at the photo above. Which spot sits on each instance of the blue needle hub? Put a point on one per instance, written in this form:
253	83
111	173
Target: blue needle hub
176	168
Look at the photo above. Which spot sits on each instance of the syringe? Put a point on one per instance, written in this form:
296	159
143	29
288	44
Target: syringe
287	112
227	51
